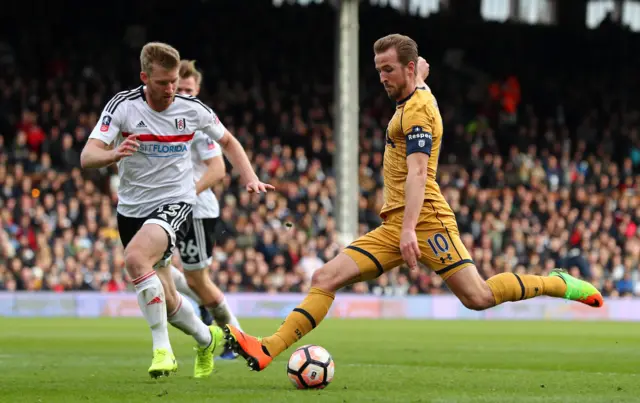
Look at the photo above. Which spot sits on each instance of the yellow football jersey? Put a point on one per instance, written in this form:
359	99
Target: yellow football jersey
416	126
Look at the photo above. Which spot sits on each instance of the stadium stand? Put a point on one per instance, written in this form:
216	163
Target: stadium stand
540	172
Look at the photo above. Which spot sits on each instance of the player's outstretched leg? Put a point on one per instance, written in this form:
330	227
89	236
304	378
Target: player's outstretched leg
477	294
335	274
182	316
147	247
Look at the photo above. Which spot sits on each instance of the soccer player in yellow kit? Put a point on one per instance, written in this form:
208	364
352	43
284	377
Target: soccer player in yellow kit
418	223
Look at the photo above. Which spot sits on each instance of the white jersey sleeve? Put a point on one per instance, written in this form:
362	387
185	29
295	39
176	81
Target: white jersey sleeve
112	117
211	125
205	147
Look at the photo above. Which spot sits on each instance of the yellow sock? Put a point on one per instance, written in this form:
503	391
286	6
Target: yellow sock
300	321
513	287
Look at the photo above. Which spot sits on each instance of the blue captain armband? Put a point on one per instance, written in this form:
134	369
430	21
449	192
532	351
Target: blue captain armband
419	141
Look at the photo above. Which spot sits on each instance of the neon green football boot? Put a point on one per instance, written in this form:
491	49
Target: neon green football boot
204	355
579	290
163	363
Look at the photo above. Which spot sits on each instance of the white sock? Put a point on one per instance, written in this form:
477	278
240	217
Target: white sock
181	285
185	319
152	304
223	315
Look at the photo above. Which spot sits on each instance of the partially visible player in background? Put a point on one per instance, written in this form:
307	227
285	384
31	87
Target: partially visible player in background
196	249
418	224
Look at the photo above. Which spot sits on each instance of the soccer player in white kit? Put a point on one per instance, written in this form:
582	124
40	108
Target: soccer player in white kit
151	130
195	251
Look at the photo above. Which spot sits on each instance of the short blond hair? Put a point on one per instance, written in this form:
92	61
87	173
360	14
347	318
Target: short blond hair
160	53
188	69
406	48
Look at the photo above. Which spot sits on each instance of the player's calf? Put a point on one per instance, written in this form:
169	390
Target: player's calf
214	306
171	293
211	297
201	284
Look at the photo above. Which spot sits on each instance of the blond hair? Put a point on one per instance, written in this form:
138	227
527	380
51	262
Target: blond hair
406	48
160	53
188	69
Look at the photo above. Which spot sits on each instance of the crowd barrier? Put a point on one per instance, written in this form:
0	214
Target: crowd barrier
247	305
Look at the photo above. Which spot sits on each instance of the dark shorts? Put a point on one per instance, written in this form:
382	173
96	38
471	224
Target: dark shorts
196	249
174	218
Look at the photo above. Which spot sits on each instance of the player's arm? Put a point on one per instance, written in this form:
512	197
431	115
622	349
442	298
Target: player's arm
98	152
414	188
418	136
235	152
216	170
238	157
211	155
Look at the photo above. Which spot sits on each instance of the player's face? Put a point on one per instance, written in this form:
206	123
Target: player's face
161	85
188	86
393	75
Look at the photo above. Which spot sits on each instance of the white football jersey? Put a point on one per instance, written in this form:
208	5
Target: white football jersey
202	149
160	172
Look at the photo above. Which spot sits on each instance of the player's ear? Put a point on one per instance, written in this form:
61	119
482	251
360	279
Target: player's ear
144	77
411	66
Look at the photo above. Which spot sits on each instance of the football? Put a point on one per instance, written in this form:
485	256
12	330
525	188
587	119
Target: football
310	367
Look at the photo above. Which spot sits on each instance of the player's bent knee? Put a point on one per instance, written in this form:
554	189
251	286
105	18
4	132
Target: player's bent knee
471	289
324	279
478	302
335	274
136	262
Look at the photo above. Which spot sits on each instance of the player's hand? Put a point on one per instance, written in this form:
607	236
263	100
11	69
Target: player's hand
423	68
255	186
127	148
409	248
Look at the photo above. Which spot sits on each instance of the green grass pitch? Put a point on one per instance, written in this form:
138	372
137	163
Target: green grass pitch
105	360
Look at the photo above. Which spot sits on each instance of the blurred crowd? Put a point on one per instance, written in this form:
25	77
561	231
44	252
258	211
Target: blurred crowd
530	190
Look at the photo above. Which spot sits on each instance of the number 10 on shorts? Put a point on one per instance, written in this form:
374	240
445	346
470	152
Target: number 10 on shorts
438	244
